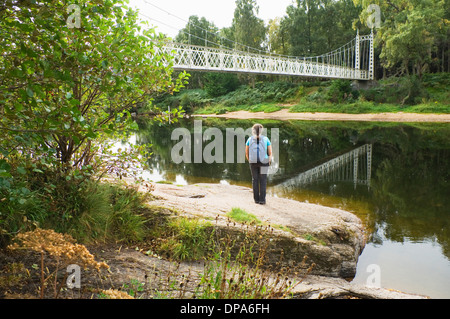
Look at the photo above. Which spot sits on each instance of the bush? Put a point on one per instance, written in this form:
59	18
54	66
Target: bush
73	204
262	92
191	99
404	91
340	91
218	84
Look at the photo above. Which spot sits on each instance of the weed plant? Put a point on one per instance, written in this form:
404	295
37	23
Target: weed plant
185	239
234	267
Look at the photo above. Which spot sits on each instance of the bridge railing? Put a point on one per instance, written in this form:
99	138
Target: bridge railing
342	64
345	167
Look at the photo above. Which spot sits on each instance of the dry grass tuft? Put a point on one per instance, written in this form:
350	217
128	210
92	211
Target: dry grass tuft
62	250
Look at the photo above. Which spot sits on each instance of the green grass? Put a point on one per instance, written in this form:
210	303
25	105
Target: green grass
221	109
110	213
183	239
392	95
240	215
357	107
90	212
361	107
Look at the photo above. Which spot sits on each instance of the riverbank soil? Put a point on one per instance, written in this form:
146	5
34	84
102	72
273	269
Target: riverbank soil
284	114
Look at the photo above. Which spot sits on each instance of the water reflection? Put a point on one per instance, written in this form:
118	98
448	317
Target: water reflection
354	165
399	178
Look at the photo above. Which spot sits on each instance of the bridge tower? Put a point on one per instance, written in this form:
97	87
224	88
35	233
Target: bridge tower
371	57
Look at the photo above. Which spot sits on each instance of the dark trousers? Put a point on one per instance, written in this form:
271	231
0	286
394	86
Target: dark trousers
259	181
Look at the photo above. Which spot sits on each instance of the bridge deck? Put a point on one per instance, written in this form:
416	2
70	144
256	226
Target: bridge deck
343	63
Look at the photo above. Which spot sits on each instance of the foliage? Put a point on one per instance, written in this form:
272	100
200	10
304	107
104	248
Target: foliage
262	92
247	29
254	99
238	269
67	92
188	99
88	210
235	266
403	91
133	289
395	94
62	88
217	84
341	90
198	31
313	27
409	32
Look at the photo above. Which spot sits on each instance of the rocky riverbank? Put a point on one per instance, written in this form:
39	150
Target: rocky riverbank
331	238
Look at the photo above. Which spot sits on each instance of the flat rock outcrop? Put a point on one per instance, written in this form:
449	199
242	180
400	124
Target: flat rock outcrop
331	238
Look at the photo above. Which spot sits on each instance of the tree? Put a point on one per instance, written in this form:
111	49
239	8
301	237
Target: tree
300	23
409	31
217	84
198	31
71	74
314	27
248	29
277	37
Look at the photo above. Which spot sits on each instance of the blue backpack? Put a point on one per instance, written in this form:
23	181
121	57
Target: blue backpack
257	150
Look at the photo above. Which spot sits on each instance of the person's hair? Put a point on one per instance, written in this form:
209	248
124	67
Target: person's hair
257	129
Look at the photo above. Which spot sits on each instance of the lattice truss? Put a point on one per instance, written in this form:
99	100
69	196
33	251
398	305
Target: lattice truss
354	60
355	165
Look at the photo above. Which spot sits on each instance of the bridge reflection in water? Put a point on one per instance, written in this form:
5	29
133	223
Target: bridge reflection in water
354	166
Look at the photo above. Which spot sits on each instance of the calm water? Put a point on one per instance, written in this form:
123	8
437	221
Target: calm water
397	182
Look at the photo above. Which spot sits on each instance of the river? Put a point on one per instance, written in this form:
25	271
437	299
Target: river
394	176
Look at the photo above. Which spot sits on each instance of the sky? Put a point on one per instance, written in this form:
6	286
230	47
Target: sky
220	12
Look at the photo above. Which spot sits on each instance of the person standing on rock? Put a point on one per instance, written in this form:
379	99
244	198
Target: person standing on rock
258	151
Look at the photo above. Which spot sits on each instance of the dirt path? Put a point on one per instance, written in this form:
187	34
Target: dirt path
284	114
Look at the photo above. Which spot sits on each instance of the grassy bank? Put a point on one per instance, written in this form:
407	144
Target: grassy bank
407	94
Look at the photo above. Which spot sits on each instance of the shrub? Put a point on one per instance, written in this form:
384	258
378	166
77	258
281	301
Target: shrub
404	91
87	209
191	99
218	84
340	91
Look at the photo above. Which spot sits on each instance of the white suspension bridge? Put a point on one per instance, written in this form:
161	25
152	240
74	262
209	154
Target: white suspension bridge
354	61
355	166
